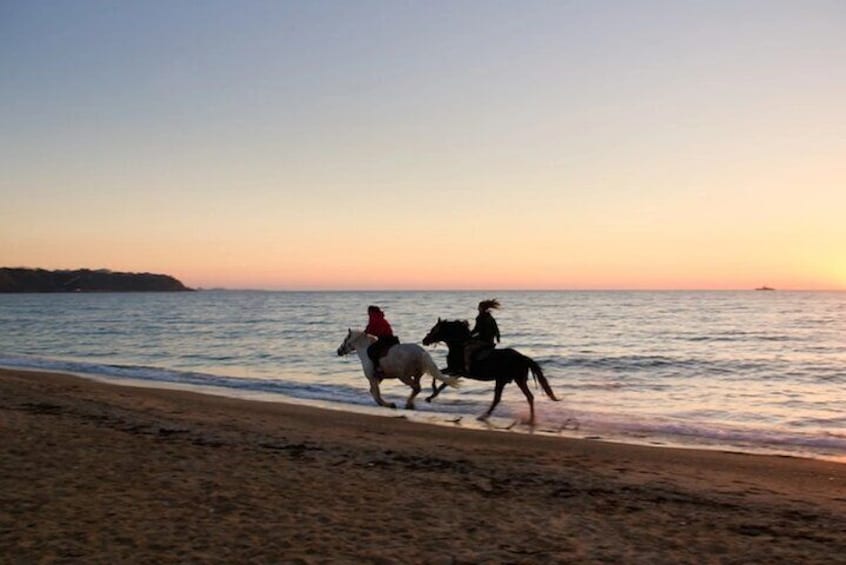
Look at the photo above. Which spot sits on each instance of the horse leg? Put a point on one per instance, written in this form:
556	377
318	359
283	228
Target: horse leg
523	383
436	390
377	396
415	390
500	384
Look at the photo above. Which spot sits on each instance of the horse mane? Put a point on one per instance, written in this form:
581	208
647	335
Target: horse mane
459	325
355	334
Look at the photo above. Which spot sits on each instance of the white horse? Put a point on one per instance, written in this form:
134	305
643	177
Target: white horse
405	361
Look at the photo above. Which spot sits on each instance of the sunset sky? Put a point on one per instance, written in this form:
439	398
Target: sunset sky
428	145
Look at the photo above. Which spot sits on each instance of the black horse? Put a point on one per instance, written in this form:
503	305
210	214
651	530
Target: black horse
500	365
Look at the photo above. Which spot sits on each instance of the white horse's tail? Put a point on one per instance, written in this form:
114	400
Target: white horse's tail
433	370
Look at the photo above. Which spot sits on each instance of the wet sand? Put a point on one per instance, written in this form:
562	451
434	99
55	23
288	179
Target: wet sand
99	473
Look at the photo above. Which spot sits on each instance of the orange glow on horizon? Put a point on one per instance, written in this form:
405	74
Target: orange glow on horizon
361	280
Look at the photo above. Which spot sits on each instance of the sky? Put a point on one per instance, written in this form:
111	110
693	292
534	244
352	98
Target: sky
428	145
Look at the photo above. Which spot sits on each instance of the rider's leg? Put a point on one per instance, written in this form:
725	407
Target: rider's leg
373	353
470	351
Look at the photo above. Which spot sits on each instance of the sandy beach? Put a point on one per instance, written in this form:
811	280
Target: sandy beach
99	473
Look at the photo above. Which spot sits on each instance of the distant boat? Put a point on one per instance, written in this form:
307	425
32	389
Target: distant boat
765	288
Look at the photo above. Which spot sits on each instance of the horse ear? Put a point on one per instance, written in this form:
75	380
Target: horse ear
439	319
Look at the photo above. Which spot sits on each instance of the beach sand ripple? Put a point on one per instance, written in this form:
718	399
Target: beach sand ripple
98	473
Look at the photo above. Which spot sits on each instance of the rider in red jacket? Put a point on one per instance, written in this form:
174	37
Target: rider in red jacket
377	325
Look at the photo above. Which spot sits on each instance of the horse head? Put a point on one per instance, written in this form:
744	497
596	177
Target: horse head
448	330
346	345
434	334
354	341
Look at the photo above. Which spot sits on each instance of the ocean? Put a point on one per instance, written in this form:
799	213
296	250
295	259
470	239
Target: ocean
754	372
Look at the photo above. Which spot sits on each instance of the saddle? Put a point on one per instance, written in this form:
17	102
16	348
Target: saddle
482	354
476	350
381	347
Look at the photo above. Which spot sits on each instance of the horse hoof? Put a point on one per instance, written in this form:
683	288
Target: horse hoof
392	405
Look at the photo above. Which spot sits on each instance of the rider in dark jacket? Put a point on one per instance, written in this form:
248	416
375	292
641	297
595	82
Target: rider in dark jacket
486	329
485	334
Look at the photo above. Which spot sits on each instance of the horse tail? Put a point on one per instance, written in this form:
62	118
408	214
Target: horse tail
537	374
432	369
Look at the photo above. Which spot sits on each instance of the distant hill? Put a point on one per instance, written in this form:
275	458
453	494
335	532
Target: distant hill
84	280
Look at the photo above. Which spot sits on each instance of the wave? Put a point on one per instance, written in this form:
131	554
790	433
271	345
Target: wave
593	424
191	379
814	444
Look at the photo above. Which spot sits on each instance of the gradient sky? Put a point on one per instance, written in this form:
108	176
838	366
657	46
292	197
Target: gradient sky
427	145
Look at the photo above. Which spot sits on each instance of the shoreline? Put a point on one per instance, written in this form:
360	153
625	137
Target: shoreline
455	420
98	472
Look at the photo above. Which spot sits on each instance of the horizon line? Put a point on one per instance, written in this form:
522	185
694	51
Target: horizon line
494	291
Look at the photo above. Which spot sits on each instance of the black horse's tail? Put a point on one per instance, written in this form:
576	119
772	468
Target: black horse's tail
537	374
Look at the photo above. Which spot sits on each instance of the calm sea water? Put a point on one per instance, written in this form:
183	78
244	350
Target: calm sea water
748	371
